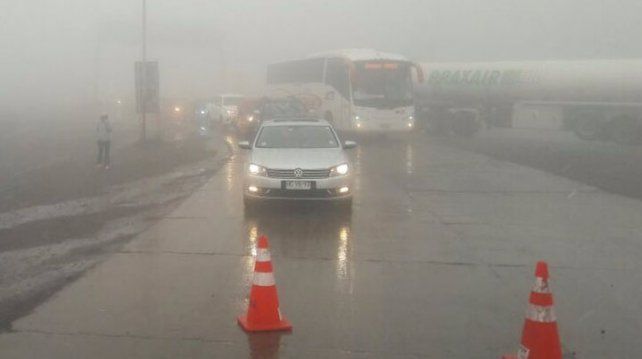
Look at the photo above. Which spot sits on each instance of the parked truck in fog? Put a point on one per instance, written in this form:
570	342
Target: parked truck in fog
597	99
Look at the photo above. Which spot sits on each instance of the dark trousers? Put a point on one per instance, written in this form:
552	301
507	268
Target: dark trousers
103	152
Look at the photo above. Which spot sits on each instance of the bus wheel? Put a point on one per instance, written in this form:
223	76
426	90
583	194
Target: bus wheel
624	130
588	126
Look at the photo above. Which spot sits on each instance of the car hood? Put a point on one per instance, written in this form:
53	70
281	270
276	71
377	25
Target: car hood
307	158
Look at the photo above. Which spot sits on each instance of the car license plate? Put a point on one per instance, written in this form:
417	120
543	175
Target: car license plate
298	185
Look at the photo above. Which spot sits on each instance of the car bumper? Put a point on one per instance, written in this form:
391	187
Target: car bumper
379	126
326	189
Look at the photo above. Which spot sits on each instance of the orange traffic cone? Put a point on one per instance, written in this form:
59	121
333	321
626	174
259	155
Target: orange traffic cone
540	339
263	311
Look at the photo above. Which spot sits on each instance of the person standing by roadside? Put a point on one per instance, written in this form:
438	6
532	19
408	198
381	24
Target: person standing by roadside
103	134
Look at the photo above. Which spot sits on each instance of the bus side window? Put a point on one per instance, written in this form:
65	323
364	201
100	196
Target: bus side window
337	76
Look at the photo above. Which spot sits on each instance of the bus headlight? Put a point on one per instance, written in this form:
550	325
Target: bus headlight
411	121
357	121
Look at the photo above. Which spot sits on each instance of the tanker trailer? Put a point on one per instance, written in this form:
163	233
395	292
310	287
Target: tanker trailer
597	99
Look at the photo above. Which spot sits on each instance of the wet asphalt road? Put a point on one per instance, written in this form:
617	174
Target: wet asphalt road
607	165
435	261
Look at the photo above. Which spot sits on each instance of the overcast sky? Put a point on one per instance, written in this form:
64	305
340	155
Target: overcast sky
62	52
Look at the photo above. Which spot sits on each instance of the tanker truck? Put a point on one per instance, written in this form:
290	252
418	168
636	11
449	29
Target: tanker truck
597	99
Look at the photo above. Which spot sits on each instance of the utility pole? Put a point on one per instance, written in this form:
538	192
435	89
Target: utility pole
143	87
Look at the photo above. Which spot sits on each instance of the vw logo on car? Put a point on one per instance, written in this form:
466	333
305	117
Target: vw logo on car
298	173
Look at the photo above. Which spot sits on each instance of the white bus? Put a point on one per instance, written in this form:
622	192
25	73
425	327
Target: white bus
355	90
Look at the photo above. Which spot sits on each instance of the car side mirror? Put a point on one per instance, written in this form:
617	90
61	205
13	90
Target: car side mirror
245	145
349	144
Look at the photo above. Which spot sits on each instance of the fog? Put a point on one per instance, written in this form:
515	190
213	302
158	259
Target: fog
59	54
406	201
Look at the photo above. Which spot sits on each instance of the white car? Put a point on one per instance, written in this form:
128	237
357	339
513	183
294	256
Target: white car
297	160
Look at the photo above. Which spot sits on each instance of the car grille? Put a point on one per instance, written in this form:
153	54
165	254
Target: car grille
314	193
306	174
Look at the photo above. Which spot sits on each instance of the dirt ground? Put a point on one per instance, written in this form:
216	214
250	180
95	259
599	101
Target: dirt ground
60	214
70	179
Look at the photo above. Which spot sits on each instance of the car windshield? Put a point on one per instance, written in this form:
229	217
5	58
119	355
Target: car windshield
297	136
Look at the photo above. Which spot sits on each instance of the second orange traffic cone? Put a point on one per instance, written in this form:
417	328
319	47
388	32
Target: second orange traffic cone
263	312
540	339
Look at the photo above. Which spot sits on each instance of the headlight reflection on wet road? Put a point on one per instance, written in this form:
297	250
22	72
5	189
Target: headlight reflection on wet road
342	254
410	168
249	260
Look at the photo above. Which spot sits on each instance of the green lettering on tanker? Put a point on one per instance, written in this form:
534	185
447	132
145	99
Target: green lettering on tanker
484	78
465	76
455	77
494	77
475	77
511	77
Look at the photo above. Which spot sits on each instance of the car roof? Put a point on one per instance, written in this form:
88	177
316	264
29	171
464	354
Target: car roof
295	122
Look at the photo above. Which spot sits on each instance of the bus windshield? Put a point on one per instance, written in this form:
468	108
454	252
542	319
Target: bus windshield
382	84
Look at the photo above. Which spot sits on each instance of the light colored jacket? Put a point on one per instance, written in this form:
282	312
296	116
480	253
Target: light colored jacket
103	130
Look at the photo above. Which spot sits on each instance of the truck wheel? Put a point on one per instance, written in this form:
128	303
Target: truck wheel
588	126
624	130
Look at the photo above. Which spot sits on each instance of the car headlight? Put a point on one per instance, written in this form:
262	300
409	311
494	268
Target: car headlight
256	170
339	170
250	118
411	121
